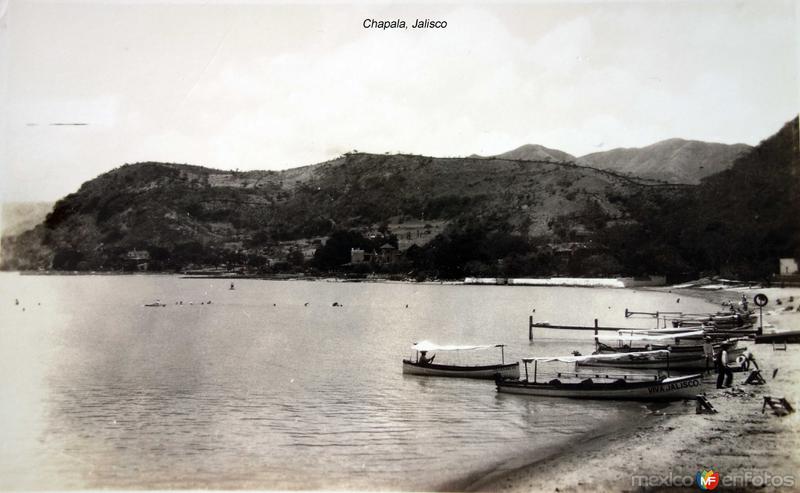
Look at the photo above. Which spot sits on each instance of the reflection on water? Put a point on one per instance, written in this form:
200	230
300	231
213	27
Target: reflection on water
258	390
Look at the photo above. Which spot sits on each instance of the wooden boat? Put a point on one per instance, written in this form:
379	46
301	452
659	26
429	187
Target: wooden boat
787	337
728	320
678	343
654	388
663	361
155	304
430	369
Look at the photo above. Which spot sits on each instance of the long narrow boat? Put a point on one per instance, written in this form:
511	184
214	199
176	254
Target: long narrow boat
648	358
425	368
678	343
789	337
640	361
655	388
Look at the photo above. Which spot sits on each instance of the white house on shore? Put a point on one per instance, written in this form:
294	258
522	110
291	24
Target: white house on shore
139	258
788	267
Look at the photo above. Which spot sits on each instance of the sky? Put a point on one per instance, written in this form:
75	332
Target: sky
257	85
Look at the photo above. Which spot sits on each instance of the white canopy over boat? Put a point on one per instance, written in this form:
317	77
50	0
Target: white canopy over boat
632	335
592	357
430	346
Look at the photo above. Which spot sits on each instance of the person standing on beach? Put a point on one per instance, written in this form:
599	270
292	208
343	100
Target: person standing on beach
708	352
724	374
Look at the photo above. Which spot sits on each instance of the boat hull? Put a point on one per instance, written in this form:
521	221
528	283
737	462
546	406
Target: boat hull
488	372
676	388
683	362
789	337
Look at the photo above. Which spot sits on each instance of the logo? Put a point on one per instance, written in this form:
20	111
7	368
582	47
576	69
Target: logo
707	480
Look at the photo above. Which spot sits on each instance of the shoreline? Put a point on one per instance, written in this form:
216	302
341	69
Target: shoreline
564	281
490	479
665	451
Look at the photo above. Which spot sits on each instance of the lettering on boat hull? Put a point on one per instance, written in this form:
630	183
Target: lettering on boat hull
671	387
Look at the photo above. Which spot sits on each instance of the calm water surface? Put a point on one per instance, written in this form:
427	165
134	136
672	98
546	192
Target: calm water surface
257	390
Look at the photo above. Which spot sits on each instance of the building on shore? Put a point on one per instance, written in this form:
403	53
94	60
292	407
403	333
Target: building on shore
788	272
788	267
138	259
386	254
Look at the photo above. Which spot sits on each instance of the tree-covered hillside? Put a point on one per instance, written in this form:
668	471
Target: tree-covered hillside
498	216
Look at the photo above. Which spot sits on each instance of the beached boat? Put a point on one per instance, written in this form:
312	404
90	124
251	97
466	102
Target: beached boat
426	367
735	319
651	360
787	337
618	387
678	343
634	361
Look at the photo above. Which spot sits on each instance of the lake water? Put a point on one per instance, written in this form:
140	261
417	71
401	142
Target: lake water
258	390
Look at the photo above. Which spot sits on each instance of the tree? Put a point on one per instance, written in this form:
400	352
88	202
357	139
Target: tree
296	259
67	259
336	251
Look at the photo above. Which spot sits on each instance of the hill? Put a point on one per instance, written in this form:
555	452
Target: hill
535	152
673	160
736	223
748	214
190	214
488	216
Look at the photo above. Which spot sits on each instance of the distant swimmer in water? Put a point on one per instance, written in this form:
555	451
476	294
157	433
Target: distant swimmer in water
305	304
16	301
678	301
232	287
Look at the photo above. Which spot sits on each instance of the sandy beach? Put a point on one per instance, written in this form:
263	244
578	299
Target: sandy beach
664	452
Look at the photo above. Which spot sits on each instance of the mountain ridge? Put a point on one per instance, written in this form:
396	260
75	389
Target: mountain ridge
536	152
674	160
491	216
165	205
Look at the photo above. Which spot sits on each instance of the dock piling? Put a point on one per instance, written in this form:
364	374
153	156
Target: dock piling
530	328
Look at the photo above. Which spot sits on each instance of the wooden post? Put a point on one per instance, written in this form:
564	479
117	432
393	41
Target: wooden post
667	362
596	342
535	365
530	327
